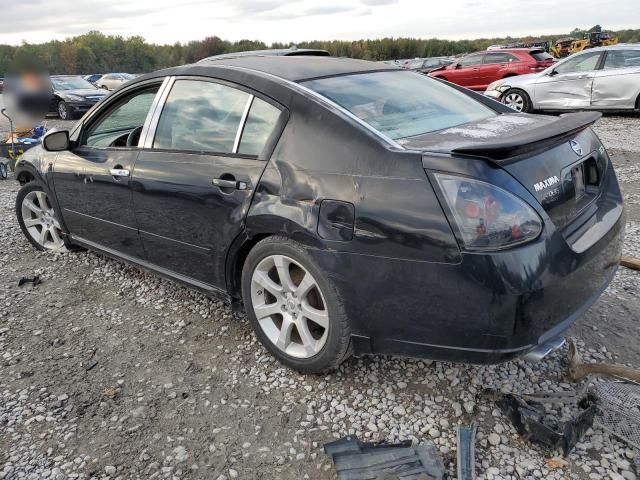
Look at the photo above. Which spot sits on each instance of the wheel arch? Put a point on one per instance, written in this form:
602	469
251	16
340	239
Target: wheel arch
25	177
254	234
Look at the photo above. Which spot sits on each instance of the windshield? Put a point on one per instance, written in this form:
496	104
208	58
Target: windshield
401	104
70	83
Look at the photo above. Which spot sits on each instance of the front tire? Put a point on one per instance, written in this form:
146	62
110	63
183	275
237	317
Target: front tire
63	110
37	218
518	100
294	308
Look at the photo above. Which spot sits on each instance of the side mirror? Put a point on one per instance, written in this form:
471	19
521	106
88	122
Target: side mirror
56	141
552	73
458	65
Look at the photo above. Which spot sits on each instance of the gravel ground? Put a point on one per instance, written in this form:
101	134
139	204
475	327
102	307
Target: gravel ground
110	372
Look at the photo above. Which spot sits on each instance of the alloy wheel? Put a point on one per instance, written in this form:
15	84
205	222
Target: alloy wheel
514	100
289	306
40	220
63	111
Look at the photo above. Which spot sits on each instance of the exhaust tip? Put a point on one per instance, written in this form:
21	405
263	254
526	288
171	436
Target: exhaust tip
541	351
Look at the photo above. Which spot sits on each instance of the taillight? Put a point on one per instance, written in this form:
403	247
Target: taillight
487	216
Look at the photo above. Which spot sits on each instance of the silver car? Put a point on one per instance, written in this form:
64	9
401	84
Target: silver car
606	78
111	81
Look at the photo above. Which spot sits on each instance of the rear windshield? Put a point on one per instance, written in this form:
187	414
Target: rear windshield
401	104
540	55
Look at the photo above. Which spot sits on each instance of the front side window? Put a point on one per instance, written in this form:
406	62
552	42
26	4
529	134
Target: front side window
471	60
579	63
261	121
200	116
501	57
401	104
622	59
129	114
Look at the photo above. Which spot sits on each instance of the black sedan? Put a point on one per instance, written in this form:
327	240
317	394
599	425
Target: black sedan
347	206
73	96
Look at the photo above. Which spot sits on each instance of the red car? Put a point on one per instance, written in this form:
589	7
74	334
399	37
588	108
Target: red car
477	70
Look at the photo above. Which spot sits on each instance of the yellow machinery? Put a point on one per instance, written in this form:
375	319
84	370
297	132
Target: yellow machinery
566	46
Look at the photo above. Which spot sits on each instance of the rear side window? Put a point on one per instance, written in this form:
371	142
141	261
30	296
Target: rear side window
540	55
401	104
200	116
260	123
622	59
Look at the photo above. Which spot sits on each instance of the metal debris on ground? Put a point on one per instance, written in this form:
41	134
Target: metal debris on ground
619	410
466	439
34	281
532	422
356	460
578	370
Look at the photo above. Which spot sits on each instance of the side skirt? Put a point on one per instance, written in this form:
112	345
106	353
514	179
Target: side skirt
205	288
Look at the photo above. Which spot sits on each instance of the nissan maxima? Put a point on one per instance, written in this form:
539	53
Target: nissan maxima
349	207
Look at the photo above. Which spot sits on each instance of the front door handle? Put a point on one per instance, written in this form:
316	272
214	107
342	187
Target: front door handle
225	183
119	172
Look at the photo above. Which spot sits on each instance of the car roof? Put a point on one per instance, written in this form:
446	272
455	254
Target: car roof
275	52
299	68
618	46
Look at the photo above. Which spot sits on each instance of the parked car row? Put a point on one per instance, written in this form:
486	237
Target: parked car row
423	65
109	81
73	96
477	70
605	78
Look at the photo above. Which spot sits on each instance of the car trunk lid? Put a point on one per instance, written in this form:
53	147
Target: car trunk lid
557	159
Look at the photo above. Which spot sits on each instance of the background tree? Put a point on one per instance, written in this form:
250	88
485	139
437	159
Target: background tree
95	52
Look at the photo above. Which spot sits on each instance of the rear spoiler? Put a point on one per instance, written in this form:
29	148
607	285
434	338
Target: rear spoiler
502	150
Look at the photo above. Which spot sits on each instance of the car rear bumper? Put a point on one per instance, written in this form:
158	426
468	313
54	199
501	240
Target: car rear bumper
490	307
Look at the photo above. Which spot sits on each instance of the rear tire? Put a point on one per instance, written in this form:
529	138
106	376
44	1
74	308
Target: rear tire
518	100
294	307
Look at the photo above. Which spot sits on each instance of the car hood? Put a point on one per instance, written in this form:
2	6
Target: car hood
526	79
83	92
502	136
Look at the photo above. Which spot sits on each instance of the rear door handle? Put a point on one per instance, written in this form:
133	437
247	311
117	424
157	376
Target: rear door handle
119	172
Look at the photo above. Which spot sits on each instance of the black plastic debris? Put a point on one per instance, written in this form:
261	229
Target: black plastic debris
35	280
466	440
533	423
356	460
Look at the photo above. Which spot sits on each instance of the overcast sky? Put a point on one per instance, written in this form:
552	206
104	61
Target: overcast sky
168	21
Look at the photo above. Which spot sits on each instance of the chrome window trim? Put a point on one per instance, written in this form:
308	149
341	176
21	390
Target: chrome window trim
152	109
243	120
153	122
327	103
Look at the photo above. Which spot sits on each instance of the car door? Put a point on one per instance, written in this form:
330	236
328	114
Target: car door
465	72
569	84
494	66
617	84
194	180
92	179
